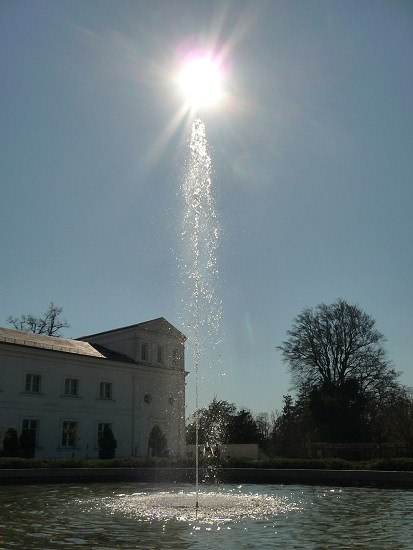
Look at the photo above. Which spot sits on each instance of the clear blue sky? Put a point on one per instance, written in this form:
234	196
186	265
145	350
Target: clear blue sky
313	165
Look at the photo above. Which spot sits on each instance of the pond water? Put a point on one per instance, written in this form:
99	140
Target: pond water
141	516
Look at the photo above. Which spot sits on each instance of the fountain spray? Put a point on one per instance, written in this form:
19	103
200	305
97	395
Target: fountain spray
200	235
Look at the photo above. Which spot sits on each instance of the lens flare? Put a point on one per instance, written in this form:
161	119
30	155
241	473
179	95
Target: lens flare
201	80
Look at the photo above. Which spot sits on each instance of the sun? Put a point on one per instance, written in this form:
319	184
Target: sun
201	80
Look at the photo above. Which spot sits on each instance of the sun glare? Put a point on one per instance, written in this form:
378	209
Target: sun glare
201	81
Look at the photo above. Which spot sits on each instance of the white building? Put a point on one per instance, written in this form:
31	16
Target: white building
130	378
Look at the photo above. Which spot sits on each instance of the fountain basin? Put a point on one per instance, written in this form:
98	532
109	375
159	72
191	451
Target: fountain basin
144	516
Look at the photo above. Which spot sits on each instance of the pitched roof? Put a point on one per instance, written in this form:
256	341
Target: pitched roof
158	325
41	341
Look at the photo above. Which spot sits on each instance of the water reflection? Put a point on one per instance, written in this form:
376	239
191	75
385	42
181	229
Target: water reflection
139	516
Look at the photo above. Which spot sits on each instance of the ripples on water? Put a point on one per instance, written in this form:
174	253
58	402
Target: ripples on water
138	516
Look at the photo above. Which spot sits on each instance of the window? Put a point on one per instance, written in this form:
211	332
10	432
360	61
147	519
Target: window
30	428
144	351
105	390
71	387
102	426
32	383
160	354
70	433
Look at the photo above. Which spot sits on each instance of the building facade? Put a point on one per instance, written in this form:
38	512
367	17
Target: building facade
65	392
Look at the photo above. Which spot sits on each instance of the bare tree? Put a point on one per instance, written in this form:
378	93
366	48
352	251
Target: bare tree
264	425
332	344
49	323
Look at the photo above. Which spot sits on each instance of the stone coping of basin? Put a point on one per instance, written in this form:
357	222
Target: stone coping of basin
220	475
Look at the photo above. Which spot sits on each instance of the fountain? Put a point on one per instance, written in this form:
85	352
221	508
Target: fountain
200	236
142	516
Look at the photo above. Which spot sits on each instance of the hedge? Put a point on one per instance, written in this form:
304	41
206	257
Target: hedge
393	464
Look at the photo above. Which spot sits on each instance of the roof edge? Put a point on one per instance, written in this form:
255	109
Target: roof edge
127	327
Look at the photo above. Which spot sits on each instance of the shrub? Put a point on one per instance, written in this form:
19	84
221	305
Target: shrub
11	443
395	464
107	443
392	464
157	441
8	462
338	464
296	463
236	462
27	443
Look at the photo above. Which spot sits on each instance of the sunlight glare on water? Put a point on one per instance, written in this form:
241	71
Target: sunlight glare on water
216	507
130	516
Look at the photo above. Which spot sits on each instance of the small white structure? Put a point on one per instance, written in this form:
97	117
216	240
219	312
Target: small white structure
228	450
129	379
